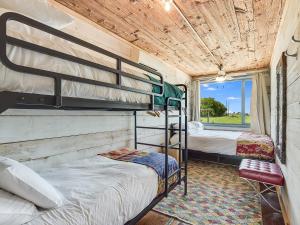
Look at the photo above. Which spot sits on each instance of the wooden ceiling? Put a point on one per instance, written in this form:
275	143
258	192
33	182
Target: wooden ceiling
240	33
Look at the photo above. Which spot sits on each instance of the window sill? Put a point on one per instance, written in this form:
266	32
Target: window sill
227	127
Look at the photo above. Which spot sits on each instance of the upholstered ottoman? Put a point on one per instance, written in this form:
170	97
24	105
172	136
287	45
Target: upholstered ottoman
269	174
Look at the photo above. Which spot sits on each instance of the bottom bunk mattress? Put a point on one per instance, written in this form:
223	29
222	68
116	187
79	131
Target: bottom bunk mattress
153	160
99	191
243	144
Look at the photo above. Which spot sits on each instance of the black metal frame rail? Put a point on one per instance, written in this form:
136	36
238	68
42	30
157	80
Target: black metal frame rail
10	99
57	101
166	147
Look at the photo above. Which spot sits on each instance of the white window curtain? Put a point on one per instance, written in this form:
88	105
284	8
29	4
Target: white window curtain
260	104
196	100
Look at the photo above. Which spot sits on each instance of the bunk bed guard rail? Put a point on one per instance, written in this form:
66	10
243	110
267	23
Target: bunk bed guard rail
25	100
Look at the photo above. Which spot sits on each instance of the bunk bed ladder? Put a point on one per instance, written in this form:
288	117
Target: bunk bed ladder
179	144
167	146
183	155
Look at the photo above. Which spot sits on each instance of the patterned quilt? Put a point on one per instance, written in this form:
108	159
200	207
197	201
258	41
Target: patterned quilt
154	160
255	146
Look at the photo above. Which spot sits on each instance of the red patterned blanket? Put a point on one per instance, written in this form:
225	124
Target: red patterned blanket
251	145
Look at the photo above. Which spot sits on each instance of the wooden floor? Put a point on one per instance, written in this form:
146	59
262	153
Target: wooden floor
154	218
269	216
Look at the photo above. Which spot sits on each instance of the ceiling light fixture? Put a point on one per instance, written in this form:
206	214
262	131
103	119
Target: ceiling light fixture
167	4
221	74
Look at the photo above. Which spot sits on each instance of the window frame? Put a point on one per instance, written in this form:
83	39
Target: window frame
243	123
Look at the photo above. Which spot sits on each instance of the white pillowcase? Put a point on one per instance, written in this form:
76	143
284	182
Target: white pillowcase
39	10
195	125
24	182
15	210
191	126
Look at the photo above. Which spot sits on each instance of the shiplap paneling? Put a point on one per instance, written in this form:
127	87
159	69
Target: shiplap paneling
291	170
37	137
41	127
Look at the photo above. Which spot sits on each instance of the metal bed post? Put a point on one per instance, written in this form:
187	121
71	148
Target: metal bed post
185	156
179	139
57	90
185	145
166	147
135	131
119	76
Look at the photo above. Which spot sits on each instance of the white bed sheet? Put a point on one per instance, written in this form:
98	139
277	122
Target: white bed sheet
99	191
19	82
211	141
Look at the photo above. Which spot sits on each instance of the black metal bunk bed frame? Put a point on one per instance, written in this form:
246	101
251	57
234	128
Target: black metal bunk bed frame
57	101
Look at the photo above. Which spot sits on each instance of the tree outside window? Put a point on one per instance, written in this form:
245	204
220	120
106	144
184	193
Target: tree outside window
226	103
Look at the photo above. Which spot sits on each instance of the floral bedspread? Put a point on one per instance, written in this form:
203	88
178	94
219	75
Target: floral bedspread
154	160
255	146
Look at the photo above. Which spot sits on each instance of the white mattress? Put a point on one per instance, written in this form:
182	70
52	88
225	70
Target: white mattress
211	141
99	191
20	82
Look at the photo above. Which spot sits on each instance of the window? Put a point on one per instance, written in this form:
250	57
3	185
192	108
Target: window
226	103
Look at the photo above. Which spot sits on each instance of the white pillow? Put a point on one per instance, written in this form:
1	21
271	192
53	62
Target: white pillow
195	125
39	10
24	182
15	210
191	126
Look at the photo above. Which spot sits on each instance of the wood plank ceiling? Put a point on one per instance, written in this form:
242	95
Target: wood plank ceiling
240	33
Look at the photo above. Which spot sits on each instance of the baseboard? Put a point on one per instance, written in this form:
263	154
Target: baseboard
283	208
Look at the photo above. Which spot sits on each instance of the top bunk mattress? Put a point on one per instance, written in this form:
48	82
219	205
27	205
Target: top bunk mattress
98	191
22	82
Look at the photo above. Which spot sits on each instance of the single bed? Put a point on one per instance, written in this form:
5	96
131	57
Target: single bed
98	191
229	143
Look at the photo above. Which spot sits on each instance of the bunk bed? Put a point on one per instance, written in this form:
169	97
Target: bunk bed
62	72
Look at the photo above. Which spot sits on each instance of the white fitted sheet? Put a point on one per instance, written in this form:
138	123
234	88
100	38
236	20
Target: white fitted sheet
211	141
99	191
20	82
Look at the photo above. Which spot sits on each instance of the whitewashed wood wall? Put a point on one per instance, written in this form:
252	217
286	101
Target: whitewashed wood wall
44	137
290	26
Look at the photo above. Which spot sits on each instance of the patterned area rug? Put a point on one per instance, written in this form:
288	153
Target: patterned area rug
155	218
216	195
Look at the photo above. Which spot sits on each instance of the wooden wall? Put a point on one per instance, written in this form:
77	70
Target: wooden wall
289	26
43	137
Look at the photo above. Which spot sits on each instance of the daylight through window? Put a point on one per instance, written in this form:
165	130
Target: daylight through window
226	103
